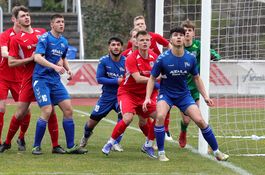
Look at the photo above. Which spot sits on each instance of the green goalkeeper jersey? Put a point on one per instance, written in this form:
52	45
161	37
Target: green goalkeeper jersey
195	50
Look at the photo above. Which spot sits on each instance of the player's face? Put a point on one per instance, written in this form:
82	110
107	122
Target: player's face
115	48
140	24
133	38
58	25
189	34
143	42
24	19
177	39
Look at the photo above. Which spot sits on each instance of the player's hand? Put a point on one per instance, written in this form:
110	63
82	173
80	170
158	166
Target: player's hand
59	69
70	73
146	102
209	102
119	81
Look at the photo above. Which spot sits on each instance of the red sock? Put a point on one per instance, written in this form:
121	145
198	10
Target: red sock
151	132
53	129
24	125
145	128
1	125
13	127
166	123
118	130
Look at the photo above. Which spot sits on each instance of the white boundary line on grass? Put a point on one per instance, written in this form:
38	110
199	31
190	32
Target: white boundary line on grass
189	147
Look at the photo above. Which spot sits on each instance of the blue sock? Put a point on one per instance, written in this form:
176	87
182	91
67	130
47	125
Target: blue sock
210	138
118	140
69	130
87	131
160	137
40	131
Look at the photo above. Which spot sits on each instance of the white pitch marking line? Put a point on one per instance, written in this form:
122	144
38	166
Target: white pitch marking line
189	147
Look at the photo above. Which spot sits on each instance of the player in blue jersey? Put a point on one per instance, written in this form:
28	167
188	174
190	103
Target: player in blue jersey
174	65
110	71
48	88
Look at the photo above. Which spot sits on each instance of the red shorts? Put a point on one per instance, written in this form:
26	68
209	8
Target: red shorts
14	88
130	103
26	93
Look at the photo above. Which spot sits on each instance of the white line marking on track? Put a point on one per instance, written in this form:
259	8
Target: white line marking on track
229	165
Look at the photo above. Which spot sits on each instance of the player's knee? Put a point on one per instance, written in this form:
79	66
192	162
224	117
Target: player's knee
127	119
46	112
186	120
160	118
68	112
201	123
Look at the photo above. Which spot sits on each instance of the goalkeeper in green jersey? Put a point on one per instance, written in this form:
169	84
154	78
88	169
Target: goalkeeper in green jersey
194	47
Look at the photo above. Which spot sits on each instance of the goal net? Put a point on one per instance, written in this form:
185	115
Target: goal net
237	82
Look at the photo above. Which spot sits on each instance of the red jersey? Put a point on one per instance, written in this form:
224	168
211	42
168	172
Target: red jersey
136	63
155	39
127	52
23	46
12	74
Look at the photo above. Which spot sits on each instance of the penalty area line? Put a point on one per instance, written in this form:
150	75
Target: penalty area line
229	165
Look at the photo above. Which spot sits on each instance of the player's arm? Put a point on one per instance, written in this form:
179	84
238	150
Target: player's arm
101	76
67	68
13	61
38	58
149	90
139	78
200	86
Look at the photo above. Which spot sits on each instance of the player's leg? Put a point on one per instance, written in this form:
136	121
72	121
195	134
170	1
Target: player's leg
162	108
168	136
15	122
60	96
14	89
3	96
117	131
184	123
101	110
54	133
195	114
117	146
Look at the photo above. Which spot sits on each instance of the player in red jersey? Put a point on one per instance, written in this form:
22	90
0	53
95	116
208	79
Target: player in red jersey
21	49
130	50
131	92
156	39
10	79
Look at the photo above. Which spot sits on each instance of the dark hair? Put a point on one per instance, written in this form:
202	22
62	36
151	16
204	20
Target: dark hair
115	39
142	32
188	24
177	30
17	9
53	17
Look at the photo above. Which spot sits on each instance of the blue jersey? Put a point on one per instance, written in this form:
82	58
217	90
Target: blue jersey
52	49
174	71
108	72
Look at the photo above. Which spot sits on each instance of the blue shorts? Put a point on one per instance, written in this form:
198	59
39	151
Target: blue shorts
48	92
181	102
105	104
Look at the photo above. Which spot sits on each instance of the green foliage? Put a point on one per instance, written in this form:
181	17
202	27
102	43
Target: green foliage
102	23
52	6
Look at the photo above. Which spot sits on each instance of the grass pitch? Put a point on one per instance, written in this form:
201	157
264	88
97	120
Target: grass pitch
131	161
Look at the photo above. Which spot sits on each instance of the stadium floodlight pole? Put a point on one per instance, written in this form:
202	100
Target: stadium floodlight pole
206	16
159	19
1	19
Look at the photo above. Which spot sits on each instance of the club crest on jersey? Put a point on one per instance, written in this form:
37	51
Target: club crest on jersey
186	64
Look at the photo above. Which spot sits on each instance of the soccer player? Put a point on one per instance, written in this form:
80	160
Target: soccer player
21	50
131	93
174	65
193	46
156	39
10	79
47	86
130	50
110	71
